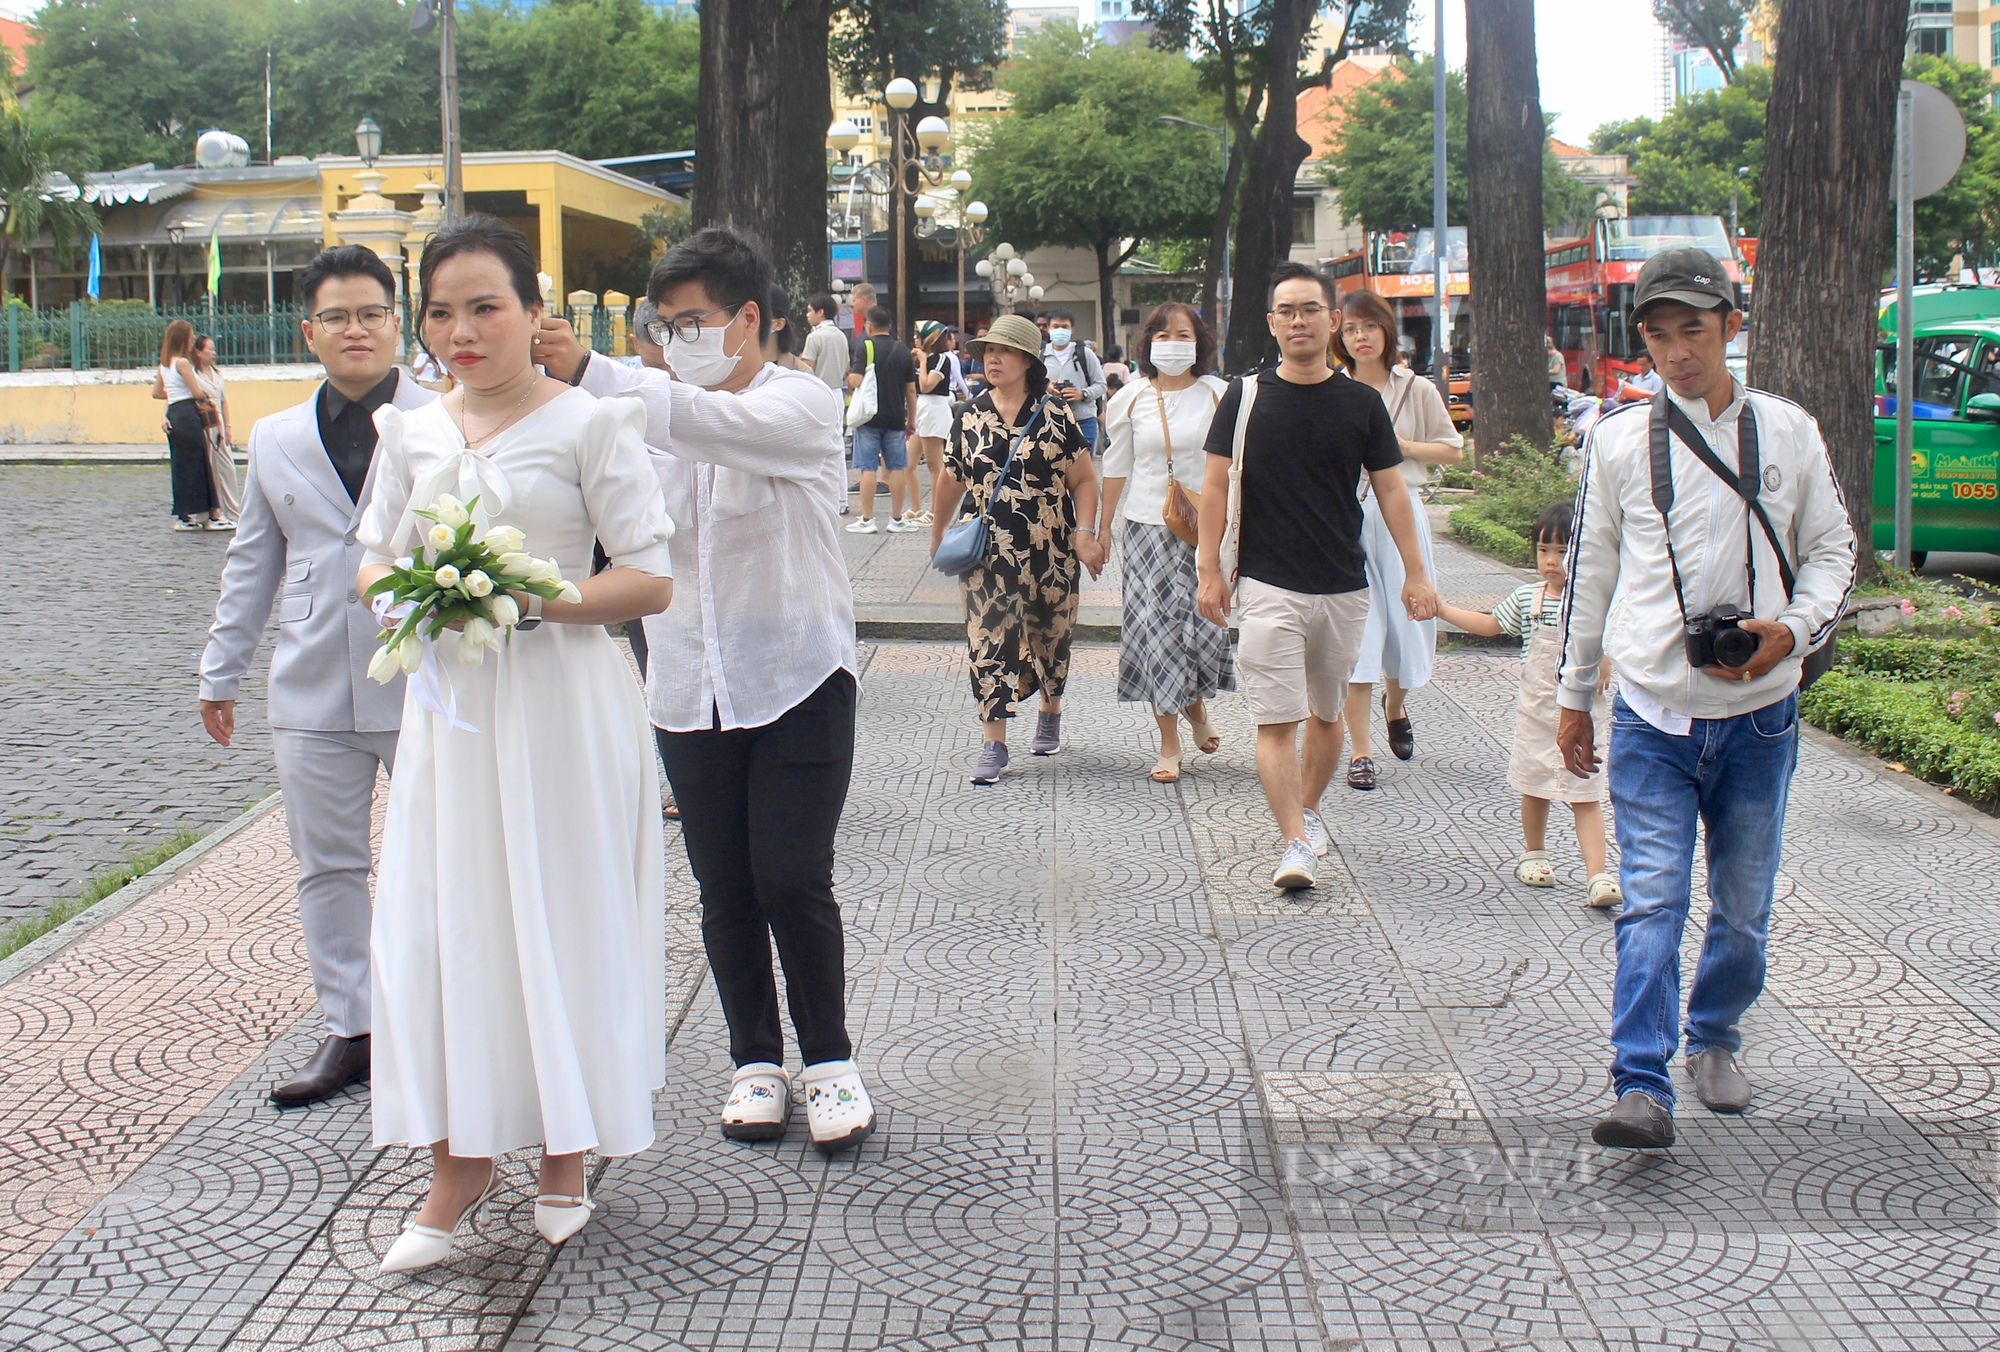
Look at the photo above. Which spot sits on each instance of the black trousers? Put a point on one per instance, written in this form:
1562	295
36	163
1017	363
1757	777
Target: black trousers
187	453
759	807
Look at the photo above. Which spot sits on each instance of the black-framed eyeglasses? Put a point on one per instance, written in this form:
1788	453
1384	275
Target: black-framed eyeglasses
687	328
371	318
1310	310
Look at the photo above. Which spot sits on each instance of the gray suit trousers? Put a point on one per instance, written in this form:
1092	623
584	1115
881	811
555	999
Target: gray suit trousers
328	780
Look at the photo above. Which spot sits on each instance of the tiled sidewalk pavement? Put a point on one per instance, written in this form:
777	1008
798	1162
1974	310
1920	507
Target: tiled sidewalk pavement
1132	1098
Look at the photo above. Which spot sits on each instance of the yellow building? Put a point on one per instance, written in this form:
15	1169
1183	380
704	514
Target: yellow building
269	221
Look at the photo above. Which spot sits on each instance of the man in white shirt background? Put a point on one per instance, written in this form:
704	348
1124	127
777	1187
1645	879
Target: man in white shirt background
1707	608
752	685
826	351
1074	373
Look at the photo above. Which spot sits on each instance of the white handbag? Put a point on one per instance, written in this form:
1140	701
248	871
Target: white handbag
862	408
1232	523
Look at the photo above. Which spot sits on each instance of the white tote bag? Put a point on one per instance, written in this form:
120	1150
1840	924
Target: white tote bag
865	404
1232	523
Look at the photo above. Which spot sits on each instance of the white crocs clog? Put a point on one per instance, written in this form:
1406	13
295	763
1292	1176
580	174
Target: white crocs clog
837	1106
759	1103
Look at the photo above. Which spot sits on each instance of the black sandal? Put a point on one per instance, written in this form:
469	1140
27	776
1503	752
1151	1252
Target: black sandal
1361	773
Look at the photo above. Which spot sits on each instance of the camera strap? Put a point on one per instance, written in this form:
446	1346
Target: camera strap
1667	421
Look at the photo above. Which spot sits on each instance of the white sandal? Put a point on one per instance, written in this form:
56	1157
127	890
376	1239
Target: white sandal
837	1106
1534	869
759	1103
557	1223
1604	892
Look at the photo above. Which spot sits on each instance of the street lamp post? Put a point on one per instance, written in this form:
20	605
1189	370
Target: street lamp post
1735	231
175	234
915	161
1224	284
1008	272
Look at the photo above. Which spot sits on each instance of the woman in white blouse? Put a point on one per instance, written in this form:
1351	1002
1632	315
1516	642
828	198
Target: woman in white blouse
1168	656
1395	649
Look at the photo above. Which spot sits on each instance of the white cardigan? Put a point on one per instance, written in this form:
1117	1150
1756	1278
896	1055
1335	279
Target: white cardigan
1420	414
1136	449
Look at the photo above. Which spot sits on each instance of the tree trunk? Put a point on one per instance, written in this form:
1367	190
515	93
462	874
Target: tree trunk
1218	238
1108	262
1264	222
760	130
1503	160
1829	147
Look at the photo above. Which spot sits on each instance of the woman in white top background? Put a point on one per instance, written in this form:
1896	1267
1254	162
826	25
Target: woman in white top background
519	971
1168	656
934	395
1395	649
221	455
187	440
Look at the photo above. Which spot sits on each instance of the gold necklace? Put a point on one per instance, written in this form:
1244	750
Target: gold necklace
465	426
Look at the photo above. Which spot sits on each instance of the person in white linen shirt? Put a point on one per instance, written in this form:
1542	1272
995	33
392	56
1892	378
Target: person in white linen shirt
1395	649
753	678
520	909
1168	656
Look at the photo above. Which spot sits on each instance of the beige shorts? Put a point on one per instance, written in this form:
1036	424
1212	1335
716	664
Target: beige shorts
1296	650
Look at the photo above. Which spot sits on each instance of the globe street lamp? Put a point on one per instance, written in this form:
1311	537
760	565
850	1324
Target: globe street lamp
915	163
368	140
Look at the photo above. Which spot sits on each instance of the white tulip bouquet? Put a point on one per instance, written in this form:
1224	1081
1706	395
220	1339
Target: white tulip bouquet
454	577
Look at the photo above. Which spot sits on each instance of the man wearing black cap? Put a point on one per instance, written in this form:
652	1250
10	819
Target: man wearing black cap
1712	514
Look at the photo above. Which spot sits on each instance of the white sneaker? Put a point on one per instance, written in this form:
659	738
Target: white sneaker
837	1106
902	525
1295	870
863	526
759	1103
1316	833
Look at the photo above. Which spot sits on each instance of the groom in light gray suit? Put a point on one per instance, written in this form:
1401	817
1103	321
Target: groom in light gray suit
331	726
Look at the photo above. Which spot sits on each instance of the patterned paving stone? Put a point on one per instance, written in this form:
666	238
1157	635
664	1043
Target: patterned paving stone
1131	1097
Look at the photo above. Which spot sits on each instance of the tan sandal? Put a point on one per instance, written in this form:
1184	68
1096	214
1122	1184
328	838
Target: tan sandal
1206	739
1167	770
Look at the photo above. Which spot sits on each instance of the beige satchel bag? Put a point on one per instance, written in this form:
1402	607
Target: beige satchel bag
1182	510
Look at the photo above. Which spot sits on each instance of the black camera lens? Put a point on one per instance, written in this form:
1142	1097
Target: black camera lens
1734	646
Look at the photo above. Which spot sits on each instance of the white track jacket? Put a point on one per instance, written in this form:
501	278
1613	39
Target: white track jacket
1619	602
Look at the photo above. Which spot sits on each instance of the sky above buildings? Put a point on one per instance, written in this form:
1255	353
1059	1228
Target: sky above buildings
1599	59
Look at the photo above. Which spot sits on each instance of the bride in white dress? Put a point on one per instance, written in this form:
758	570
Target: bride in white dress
519	981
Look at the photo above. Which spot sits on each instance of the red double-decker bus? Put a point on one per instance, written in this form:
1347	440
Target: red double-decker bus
1591	281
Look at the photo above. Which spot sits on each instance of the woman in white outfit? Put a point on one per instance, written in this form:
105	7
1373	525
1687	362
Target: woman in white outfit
519	984
1395	649
935	369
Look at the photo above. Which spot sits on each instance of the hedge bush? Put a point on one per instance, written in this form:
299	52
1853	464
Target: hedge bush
1469	525
1922	659
1518	483
1904	723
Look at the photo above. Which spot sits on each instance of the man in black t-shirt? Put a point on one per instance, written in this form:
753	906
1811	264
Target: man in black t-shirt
1298	579
883	441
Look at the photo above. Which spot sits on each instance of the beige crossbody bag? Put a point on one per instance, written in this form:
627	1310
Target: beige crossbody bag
1181	512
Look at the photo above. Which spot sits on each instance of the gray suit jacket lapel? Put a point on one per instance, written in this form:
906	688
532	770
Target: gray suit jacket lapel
303	447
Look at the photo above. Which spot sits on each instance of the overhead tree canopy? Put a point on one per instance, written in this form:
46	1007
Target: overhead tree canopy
1232	42
1686	163
1380	160
138	80
29	157
1715	26
1141	180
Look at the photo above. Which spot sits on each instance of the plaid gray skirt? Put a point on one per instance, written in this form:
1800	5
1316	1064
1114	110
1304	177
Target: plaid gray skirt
1168	655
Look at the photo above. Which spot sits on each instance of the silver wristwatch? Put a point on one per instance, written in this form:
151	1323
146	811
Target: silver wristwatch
534	615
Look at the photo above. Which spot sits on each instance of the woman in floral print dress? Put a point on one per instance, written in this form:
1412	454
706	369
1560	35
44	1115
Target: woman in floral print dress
1020	603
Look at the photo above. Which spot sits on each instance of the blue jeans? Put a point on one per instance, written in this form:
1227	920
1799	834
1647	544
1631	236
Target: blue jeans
1732	775
886	447
1089	426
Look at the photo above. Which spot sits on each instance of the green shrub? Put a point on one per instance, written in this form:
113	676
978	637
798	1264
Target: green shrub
1905	724
1488	537
1457	476
1921	659
1519	482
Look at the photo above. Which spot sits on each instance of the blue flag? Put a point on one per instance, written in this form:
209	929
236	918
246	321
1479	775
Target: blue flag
95	282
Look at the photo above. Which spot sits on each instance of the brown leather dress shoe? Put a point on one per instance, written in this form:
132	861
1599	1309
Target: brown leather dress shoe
1637	1123
339	1062
1402	738
1720	1086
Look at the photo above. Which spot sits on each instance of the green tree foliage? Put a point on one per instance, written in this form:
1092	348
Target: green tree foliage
961	41
1687	161
1084	160
138	80
1380	161
29	158
1715	26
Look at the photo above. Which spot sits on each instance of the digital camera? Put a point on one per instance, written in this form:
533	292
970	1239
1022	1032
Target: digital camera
1719	638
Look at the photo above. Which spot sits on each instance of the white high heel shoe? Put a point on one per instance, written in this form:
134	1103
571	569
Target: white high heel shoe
558	1223
422	1246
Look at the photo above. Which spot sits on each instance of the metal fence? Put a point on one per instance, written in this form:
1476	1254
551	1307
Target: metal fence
124	335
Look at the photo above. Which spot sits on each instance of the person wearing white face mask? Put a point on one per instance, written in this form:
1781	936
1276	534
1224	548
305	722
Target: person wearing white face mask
1168	656
752	683
1074	373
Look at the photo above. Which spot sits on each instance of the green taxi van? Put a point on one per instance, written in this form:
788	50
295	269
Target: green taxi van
1955	420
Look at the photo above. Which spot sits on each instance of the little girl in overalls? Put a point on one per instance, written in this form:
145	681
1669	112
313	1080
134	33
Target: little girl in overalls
1532	613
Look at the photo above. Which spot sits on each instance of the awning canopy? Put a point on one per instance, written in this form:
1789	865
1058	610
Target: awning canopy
236	219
